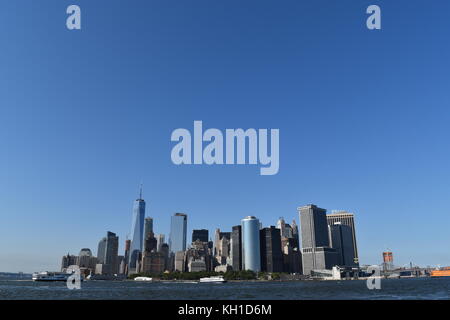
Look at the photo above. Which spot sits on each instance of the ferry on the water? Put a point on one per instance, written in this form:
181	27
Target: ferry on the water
50	276
442	272
143	279
218	279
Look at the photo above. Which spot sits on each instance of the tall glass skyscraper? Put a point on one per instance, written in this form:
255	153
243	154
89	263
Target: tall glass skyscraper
101	251
347	219
137	232
160	238
107	256
236	248
148	227
251	254
178	232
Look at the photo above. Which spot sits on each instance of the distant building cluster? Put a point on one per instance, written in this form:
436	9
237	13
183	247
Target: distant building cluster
323	241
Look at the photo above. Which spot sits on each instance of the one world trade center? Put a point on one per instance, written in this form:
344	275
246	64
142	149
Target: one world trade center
137	233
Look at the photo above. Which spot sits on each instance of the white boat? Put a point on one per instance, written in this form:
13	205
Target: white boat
50	276
143	279
218	279
105	277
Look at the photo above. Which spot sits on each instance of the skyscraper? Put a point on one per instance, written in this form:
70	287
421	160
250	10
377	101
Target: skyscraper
271	255
347	219
167	256
178	232
180	259
108	254
153	262
236	248
292	260
342	241
281	224
222	247
202	235
295	234
101	251
137	232
316	251
251	255
126	258
111	252
148	227
198	257
151	243
160	238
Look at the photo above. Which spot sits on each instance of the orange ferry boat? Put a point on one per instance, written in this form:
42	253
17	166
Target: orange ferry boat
442	272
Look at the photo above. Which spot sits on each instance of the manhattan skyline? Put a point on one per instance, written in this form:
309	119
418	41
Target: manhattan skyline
85	117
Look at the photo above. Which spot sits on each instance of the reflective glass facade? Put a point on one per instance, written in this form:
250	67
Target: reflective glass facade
178	232
251	255
137	232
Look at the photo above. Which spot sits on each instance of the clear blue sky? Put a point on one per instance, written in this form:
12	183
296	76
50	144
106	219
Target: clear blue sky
86	116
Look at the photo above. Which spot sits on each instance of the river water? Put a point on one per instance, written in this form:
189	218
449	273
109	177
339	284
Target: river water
416	288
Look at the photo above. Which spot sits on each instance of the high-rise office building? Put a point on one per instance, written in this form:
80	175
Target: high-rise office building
180	259
346	219
198	257
222	247
341	240
160	238
148	227
236	248
153	263
281	224
271	255
292	260
126	256
111	252
202	235
150	243
137	233
251	255
314	227
122	265
178	232
316	251
101	251
108	254
285	229
167	256
295	234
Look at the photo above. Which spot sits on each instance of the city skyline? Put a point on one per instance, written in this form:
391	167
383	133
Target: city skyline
136	211
324	241
148	220
87	115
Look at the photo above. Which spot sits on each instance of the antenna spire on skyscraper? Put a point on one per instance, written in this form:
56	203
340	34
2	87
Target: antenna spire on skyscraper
140	192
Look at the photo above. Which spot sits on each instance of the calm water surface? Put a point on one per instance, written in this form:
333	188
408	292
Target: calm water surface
418	288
